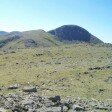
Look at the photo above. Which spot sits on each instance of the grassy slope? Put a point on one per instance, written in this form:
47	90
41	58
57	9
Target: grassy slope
61	69
41	37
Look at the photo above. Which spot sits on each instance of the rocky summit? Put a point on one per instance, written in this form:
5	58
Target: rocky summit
74	33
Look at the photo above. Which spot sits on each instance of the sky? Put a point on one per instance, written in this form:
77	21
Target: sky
22	15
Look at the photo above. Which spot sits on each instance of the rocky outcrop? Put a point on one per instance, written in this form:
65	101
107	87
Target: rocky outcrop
31	101
9	39
30	43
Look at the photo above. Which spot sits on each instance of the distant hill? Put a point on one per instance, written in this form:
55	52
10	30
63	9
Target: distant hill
74	33
34	38
66	34
3	33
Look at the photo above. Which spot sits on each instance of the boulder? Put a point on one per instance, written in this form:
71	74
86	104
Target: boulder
53	109
3	110
15	86
65	109
55	99
68	103
109	80
27	102
102	106
30	89
77	108
48	103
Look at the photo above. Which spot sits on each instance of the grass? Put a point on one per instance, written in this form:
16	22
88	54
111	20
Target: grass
40	37
62	70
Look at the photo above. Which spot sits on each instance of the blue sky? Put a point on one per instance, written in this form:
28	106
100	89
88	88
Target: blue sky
93	15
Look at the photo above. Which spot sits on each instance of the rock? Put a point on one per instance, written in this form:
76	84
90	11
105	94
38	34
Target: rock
31	102
86	72
65	109
92	103
96	68
16	86
27	102
102	106
30	89
3	110
55	99
68	103
17	109
8	104
53	109
101	90
30	43
32	110
77	108
48	103
109	80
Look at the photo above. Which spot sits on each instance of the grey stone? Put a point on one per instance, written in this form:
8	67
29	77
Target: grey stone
77	108
109	80
65	108
15	86
27	102
8	104
48	103
102	107
30	89
32	110
55	99
3	110
53	109
31	102
68	103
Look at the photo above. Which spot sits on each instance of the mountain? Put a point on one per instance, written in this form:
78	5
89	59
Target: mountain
34	38
66	34
3	33
74	33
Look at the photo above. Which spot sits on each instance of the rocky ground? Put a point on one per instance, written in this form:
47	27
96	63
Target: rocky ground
28	100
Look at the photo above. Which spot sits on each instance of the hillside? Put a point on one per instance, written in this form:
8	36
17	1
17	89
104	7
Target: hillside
74	33
34	38
66	34
3	33
78	70
62	78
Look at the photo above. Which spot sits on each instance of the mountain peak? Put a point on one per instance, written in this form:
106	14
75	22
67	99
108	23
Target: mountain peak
73	33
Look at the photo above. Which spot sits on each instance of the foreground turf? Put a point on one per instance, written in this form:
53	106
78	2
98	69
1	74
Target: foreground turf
79	70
